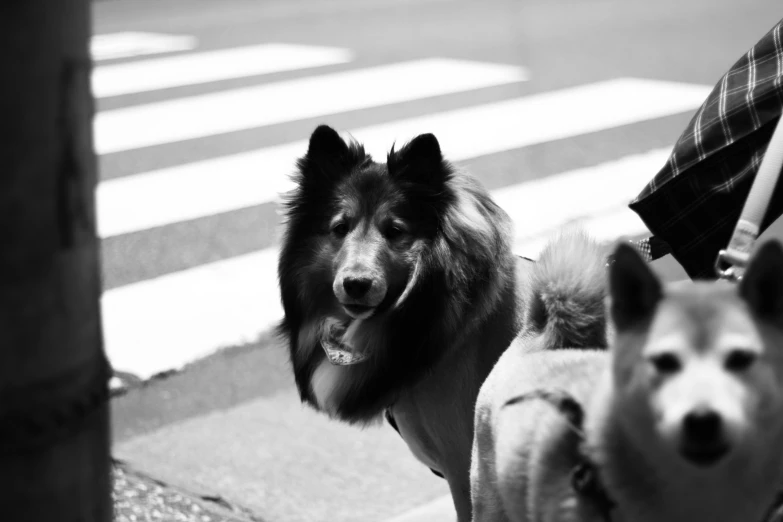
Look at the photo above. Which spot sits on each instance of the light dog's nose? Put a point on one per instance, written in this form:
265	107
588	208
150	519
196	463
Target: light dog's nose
703	440
703	427
356	287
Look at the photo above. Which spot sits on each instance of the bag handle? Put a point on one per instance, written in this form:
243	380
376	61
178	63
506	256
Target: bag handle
732	261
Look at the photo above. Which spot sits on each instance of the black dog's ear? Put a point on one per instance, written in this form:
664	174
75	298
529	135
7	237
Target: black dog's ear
762	284
328	157
326	143
419	161
634	288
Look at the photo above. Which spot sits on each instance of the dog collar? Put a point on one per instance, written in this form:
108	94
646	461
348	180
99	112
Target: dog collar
333	342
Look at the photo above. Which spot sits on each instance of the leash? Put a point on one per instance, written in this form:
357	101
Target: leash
585	479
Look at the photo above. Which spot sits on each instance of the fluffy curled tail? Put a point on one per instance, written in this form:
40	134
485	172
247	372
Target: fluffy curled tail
568	290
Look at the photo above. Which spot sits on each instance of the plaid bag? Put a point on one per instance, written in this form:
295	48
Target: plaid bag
692	205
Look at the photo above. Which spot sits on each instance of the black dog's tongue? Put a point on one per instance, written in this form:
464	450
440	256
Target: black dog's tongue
338	352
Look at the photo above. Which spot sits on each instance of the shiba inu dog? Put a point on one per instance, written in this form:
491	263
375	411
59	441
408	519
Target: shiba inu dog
683	417
400	292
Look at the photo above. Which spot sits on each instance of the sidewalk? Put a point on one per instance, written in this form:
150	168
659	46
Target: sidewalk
138	498
232	427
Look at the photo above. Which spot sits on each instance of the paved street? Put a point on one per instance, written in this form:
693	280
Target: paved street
563	109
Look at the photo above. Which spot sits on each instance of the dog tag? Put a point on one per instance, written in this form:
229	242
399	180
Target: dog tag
338	353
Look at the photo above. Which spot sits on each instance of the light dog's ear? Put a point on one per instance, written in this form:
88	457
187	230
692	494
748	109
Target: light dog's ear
762	284
634	288
419	161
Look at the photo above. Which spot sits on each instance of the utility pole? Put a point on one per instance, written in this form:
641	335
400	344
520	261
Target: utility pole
54	411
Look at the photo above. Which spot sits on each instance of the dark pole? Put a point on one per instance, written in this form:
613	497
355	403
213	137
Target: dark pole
54	412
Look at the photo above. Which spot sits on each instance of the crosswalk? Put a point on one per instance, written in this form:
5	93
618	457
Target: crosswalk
169	318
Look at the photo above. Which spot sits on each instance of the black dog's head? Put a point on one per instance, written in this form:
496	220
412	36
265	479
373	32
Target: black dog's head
405	255
357	226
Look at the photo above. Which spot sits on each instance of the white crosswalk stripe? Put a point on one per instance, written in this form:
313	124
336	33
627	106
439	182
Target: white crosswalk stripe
171	319
210	66
130	43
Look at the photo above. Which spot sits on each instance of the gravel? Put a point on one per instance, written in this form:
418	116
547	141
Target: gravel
141	499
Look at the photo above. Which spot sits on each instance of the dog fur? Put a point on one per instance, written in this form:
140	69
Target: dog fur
568	292
683	415
415	257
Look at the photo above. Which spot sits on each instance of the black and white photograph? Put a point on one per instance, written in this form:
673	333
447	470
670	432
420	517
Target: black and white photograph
391	261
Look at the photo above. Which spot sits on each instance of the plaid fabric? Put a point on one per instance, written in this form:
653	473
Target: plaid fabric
652	248
693	203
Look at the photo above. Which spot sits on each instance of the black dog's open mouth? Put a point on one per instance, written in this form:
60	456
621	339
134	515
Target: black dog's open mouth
337	350
356	310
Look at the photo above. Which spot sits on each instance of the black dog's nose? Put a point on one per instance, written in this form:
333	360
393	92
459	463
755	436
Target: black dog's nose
356	287
703	427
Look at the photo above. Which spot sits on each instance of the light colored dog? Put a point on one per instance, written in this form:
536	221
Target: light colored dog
683	417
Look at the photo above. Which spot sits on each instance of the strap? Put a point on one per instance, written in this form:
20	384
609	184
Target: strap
586	482
393	424
731	262
585	479
653	248
562	401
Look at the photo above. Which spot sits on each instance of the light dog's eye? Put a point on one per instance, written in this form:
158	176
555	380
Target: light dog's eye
340	229
665	363
739	360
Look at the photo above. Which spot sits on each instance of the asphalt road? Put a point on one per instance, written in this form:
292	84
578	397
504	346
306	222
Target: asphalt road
196	428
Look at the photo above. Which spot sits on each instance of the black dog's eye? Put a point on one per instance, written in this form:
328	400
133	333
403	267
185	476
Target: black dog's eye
665	363
739	360
340	229
395	231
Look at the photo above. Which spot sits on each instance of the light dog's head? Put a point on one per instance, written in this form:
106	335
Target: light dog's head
698	367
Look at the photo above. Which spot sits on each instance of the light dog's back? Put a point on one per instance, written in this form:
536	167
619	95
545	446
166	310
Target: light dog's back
568	291
683	420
